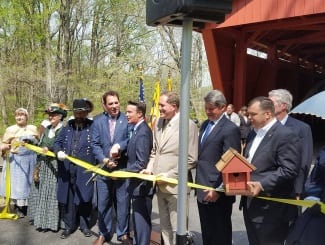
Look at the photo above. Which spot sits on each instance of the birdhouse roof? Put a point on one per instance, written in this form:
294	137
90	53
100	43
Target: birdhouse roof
228	156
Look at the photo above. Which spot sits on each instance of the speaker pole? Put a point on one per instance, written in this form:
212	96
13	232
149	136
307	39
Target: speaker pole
182	201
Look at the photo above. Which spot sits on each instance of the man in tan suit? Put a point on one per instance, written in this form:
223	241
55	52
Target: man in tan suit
164	161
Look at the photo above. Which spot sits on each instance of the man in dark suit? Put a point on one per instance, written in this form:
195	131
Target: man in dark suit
272	149
282	100
216	136
138	153
109	139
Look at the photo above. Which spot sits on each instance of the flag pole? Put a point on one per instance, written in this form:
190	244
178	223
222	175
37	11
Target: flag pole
183	131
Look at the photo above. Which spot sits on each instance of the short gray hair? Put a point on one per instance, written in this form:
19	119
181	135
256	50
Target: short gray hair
282	96
216	98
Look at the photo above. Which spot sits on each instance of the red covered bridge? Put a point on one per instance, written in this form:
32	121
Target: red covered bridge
290	32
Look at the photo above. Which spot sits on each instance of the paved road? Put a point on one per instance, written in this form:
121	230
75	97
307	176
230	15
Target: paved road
20	232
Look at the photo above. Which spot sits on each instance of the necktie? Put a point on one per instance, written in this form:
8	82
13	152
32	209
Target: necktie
207	132
112	123
132	132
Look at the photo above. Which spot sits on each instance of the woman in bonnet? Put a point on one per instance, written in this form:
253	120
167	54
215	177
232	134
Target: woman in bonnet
44	209
21	160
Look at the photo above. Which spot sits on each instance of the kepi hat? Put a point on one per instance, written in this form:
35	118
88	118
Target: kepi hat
82	105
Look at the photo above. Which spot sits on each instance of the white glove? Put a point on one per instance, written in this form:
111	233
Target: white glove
61	155
114	150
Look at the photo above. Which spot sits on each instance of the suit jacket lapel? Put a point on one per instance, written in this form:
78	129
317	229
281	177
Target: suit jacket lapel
214	132
203	127
269	134
172	128
250	139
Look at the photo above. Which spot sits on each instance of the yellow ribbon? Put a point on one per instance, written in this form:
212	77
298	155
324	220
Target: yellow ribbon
154	178
302	203
4	213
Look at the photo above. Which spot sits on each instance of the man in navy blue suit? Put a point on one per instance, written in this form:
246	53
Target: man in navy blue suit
273	149
73	194
138	152
282	100
216	136
109	139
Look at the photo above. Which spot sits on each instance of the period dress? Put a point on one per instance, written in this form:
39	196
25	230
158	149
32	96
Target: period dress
21	162
44	208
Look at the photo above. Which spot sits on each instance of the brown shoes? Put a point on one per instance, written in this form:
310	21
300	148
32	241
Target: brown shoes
100	240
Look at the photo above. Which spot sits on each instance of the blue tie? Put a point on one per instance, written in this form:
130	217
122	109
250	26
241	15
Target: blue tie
207	131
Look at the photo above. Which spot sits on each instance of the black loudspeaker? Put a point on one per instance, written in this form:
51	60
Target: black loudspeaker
173	12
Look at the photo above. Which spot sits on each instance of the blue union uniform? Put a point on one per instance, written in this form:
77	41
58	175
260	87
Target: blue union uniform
73	193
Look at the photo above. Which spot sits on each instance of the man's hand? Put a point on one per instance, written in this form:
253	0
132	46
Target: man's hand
145	171
110	164
61	155
115	151
211	196
160	181
254	187
4	147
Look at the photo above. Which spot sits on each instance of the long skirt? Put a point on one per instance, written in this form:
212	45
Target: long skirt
43	205
21	171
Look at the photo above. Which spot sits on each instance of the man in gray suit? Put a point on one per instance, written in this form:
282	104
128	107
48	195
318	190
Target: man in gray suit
272	149
164	161
282	100
217	135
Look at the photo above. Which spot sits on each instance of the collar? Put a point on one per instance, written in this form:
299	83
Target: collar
174	119
262	131
60	124
215	122
284	120
137	125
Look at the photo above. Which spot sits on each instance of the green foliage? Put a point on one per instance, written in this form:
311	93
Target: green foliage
56	51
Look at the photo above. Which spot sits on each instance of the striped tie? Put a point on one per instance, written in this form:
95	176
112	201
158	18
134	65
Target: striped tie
112	123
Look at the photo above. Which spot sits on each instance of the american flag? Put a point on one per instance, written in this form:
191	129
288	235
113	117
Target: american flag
141	90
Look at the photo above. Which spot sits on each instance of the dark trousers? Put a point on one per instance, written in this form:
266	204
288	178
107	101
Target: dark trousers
110	191
266	233
215	221
76	215
141	217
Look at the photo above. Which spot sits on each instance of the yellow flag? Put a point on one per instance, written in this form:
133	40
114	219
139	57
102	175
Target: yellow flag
169	84
154	112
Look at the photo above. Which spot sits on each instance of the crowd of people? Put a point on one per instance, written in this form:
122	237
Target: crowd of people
58	194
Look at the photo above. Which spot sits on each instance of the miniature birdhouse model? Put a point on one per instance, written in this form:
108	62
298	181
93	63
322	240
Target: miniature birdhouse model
235	171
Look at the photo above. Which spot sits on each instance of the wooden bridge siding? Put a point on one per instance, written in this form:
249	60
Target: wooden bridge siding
252	11
234	75
221	60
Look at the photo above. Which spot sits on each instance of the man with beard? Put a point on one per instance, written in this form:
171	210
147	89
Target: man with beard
74	195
